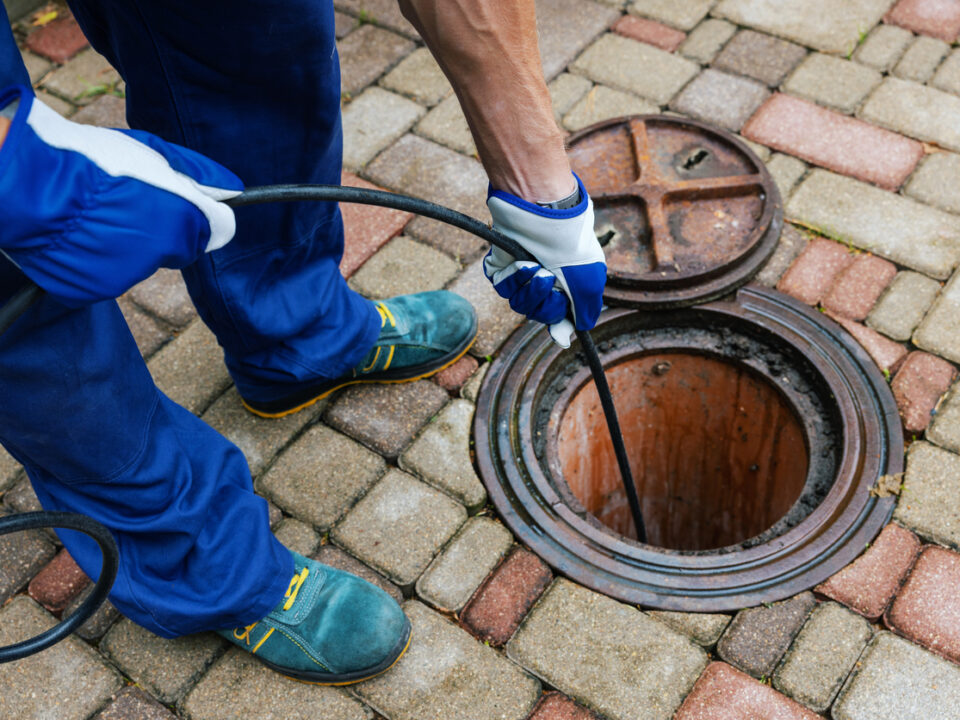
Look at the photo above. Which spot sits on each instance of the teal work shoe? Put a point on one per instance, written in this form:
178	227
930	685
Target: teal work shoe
420	335
331	628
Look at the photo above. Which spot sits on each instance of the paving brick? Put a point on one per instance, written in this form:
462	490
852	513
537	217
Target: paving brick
786	171
937	181
447	674
896	680
937	18
813	272
165	668
471	388
683	14
68	681
101	620
636	67
366	228
421	168
76	80
720	98
918	386
758	637
240	686
260	439
458	571
883	47
792	243
366	54
834	141
419	77
760	56
929	502
58	583
725	693
703	628
921	59
190	369
385	417
888	355
557	706
379	12
36	66
132	703
401	267
297	536
373	120
344	24
947	76
939	332
58	105
831	81
945	428
149	335
649	31
498	607
565	91
707	39
9	470
453	377
22	555
915	110
822	656
165	295
601	103
903	305
927	608
856	290
106	111
566	27
494	317
821	24
58	40
335	557
611	657
320	476
447	125
399	526
22	498
900	229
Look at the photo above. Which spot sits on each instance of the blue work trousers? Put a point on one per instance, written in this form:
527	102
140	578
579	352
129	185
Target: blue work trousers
255	85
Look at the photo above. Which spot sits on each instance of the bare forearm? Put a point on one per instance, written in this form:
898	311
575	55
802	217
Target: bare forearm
4	127
488	50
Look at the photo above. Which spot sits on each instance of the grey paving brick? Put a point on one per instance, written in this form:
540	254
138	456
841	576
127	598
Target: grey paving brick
378	12
833	82
132	703
898	680
495	318
260	439
399	526
939	332
921	59
937	181
447	674
707	39
298	536
792	243
565	91
373	120
786	171
760	56
947	76
758	637
165	668
720	98
9	470
386	417
416	166
101	620
945	428
821	24
822	655
149	334
21	496
366	54
601	103
566	27
929	502
320	476
22	555
57	104
333	556
36	66
457	572
761	151
165	295
190	369
240	686
883	47
703	628
636	67
74	80
106	111
611	657
471	388
682	14
403	266
419	77
344	24
898	228
447	125
916	110
903	305
68	681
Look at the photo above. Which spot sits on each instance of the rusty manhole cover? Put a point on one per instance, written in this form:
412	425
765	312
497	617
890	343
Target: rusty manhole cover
686	211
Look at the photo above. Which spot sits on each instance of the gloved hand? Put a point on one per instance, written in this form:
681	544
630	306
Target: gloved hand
88	212
571	272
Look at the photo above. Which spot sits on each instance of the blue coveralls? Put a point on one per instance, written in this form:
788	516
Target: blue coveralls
255	85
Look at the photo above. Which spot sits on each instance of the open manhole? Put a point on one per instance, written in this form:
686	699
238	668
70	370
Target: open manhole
755	426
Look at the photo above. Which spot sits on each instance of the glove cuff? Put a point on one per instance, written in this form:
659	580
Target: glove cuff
540	210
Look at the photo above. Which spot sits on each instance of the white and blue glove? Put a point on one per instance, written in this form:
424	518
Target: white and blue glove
88	212
571	272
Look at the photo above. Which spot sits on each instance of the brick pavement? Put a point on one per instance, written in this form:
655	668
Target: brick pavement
860	101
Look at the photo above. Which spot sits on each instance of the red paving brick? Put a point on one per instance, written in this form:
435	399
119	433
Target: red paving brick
834	141
887	354
939	18
725	693
857	289
557	706
927	609
366	227
869	583
59	40
918	386
650	32
496	609
814	270
58	583
457	374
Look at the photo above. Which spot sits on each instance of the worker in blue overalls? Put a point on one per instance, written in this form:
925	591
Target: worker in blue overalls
88	212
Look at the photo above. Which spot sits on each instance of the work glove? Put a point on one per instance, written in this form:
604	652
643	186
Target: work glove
87	212
567	281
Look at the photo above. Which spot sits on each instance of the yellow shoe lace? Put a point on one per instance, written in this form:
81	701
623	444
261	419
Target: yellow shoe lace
291	596
385	317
